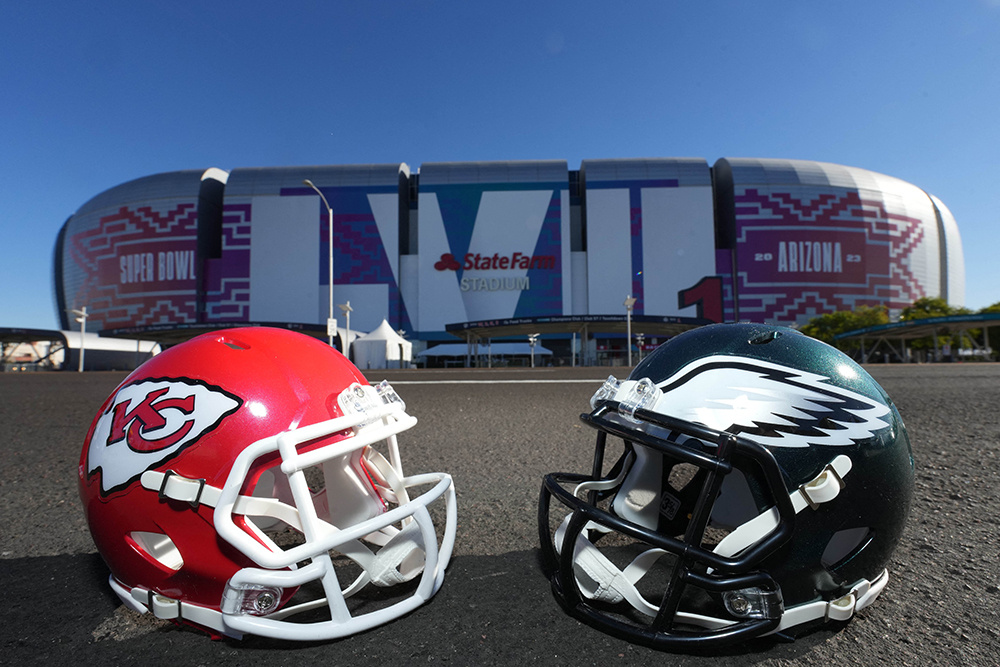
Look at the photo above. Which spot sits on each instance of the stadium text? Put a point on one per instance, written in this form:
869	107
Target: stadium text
494	284
145	267
809	257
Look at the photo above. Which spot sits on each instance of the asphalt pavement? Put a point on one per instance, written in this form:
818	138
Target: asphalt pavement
497	433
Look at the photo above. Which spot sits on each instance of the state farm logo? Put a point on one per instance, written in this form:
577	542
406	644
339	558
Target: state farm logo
150	422
447	263
478	262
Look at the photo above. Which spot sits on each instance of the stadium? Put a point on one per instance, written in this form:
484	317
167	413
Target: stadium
494	251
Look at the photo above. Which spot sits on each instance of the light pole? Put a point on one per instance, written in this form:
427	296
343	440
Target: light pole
347	310
402	334
629	302
532	339
81	317
331	323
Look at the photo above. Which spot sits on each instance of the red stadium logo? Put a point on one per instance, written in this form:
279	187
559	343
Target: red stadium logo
496	261
447	263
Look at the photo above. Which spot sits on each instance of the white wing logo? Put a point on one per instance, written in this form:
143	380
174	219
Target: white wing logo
772	404
150	422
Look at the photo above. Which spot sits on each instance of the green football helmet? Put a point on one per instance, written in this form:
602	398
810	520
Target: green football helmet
757	482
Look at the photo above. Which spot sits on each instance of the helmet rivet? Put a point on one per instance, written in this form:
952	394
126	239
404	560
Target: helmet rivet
766	338
264	601
739	604
358	391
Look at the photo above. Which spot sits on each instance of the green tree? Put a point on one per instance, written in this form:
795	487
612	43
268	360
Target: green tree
928	306
826	326
932	306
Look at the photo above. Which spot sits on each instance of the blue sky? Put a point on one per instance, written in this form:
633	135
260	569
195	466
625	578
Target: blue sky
96	94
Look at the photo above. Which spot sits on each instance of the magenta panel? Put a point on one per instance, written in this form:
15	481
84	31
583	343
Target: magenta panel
138	267
799	254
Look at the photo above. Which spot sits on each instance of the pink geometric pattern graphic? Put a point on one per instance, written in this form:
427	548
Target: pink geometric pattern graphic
797	258
139	267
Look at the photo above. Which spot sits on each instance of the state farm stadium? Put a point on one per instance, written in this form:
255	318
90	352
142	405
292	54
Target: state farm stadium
499	250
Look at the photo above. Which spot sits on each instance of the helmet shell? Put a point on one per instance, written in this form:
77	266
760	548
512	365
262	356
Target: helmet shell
248	384
879	488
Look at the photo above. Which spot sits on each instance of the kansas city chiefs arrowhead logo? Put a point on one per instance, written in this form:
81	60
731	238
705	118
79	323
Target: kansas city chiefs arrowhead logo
150	422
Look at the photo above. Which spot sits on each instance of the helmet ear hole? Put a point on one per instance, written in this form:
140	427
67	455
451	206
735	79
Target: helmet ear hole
845	545
156	548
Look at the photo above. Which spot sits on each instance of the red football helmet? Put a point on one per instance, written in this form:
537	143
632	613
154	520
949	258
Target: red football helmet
229	479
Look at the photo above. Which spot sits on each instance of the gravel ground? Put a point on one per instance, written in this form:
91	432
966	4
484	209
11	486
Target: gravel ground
497	439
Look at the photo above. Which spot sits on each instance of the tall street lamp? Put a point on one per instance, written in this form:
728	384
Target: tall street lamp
81	317
532	340
346	308
629	302
331	322
402	334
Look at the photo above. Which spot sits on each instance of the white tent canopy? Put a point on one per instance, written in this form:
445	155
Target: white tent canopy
342	336
381	348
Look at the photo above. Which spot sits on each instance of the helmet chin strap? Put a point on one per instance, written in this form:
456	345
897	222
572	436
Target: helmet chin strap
401	559
600	579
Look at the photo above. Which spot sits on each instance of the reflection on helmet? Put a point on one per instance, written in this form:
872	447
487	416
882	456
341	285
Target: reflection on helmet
757	482
249	482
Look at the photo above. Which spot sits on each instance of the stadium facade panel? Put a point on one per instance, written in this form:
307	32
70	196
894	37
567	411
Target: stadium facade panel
765	240
274	260
952	258
129	254
491	242
805	238
653	221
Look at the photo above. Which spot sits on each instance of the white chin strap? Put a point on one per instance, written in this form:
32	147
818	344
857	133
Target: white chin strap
400	560
401	557
600	579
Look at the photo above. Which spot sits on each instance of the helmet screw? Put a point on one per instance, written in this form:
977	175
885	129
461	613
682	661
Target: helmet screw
264	601
740	605
359	392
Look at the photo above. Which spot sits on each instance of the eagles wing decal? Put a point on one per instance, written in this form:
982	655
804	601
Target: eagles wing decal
775	405
150	422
